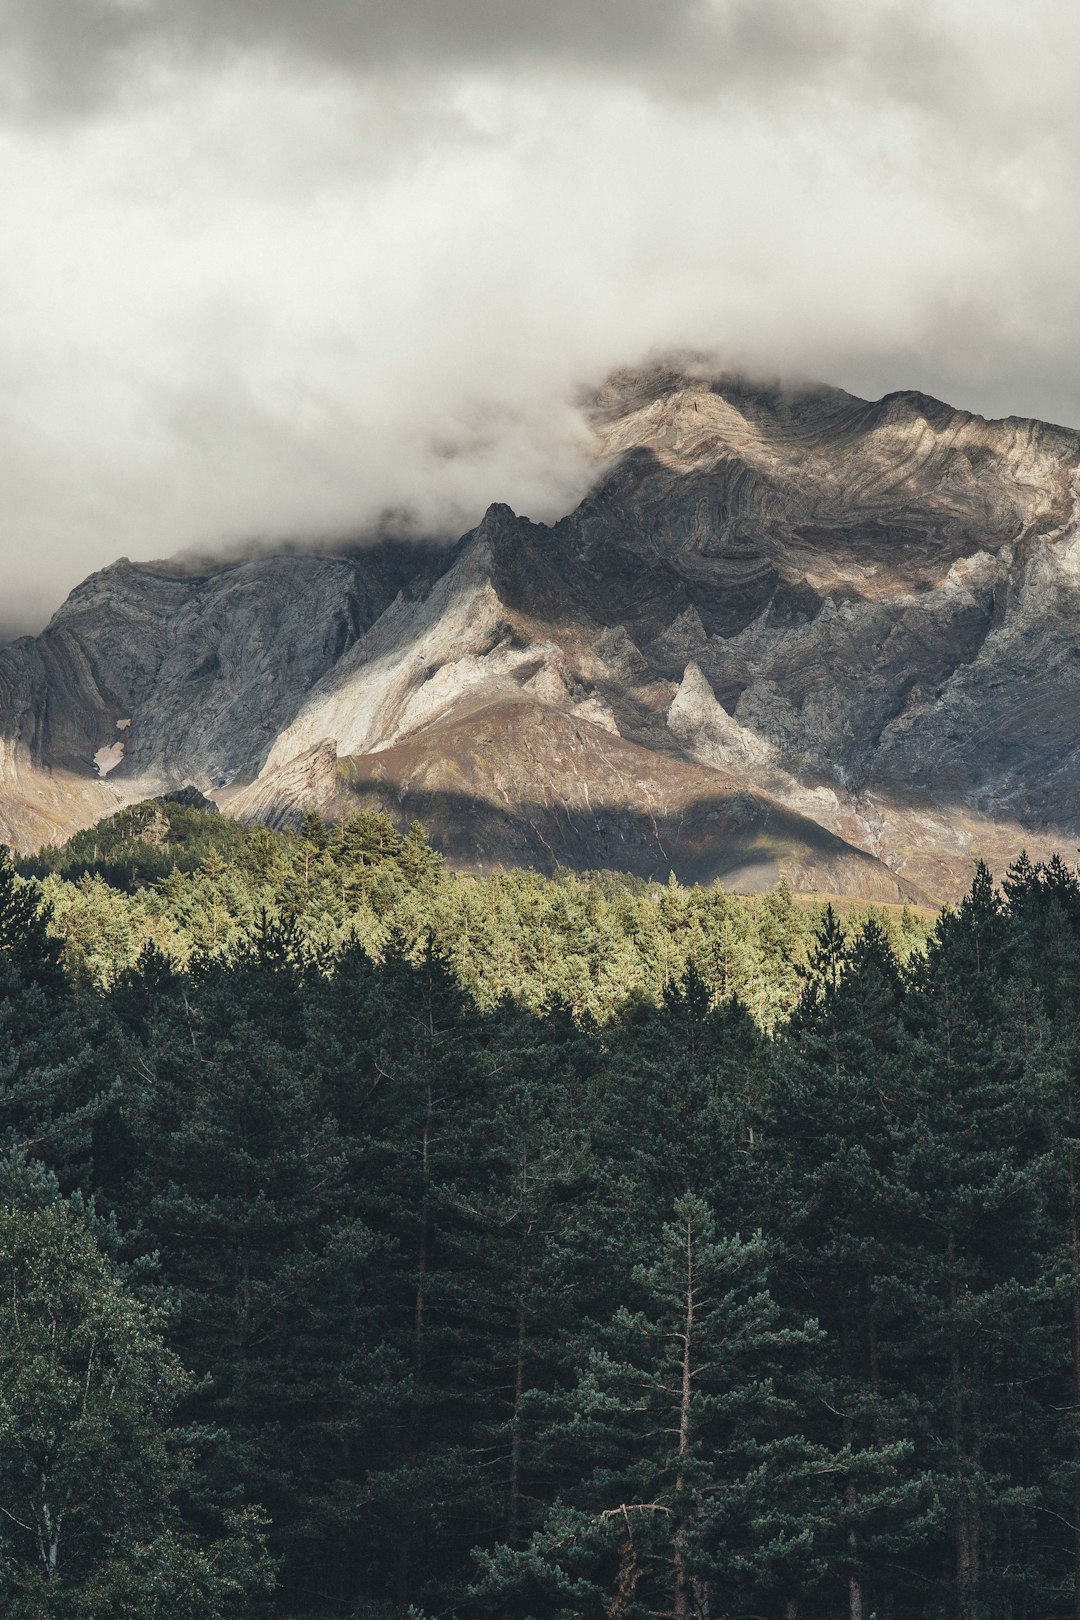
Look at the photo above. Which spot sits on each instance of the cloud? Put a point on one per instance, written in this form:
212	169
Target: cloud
277	269
67	55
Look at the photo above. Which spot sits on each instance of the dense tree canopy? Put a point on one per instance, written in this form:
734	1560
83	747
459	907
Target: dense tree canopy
384	1243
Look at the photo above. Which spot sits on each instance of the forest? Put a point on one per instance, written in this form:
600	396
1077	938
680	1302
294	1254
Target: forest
387	1243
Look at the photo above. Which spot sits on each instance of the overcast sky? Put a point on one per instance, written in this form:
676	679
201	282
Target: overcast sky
273	267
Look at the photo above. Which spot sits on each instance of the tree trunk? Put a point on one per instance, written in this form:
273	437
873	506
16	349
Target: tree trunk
401	1579
401	1583
855	1591
847	1356
1074	1244
514	1526
422	1247
682	1585
629	1576
966	1530
48	1533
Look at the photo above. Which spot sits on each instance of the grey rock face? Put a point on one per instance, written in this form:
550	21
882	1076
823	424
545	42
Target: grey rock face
867	612
199	670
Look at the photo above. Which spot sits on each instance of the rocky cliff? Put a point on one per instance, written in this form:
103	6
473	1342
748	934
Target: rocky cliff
787	632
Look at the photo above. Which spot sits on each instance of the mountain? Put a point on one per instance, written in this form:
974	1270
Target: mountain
787	632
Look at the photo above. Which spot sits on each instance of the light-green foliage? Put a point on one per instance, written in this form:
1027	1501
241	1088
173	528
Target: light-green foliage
592	941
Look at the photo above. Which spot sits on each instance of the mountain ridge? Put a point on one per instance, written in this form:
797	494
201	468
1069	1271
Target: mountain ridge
860	616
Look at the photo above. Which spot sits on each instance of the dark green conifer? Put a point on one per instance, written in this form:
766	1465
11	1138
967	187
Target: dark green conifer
678	1442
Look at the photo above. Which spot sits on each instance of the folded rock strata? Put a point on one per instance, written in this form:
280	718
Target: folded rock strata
787	632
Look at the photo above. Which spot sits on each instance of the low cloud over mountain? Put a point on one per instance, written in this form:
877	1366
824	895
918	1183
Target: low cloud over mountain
280	270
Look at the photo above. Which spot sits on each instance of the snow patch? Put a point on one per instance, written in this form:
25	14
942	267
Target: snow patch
108	758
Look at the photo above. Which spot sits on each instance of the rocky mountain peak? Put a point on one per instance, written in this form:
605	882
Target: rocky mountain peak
854	620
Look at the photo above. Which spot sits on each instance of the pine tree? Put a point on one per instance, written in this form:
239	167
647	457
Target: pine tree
92	1467
32	955
976	1176
405	1075
1044	927
838	1094
57	1051
685	1097
677	1440
518	1281
238	1179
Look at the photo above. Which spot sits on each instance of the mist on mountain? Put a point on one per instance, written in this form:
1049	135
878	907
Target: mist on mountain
271	271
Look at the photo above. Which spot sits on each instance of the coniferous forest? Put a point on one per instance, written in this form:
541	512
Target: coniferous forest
378	1242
